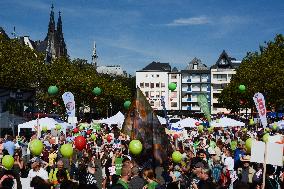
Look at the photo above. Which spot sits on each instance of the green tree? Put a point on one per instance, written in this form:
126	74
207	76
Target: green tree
261	71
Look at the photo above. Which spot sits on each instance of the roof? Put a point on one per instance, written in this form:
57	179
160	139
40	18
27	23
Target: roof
196	61
226	62
157	66
2	32
175	69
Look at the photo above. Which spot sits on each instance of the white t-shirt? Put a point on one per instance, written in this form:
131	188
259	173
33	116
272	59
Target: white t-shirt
41	173
229	163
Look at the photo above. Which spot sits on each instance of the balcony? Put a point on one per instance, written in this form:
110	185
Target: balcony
186	100
195	108
186	89
186	80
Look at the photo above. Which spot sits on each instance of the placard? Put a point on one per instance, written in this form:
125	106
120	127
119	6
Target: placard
257	151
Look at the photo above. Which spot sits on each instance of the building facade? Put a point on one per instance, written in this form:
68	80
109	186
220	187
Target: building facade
221	74
195	80
153	82
174	96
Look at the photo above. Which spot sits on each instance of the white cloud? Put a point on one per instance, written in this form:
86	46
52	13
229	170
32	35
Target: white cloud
201	20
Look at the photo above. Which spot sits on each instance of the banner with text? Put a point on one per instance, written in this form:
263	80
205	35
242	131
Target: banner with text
259	101
69	102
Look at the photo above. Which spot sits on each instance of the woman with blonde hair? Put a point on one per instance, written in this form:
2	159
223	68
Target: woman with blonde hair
149	176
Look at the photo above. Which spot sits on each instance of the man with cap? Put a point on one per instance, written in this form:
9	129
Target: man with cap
246	172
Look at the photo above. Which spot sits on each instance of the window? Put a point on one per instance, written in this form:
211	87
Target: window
152	94
152	85
173	104
157	94
195	66
147	94
158	85
174	94
152	103
152	75
163	93
223	61
163	85
141	85
146	85
157	75
147	76
173	76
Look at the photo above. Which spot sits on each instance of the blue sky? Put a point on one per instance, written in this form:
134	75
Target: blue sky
134	33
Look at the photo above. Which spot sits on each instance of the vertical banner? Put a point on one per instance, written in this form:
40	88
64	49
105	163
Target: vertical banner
203	104
259	101
68	99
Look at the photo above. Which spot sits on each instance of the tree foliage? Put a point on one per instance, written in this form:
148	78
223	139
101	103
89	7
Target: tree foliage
260	71
21	67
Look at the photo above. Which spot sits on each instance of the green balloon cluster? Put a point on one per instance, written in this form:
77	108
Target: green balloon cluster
52	90
36	147
248	144
97	91
127	104
172	86
8	161
66	150
242	88
177	157
135	147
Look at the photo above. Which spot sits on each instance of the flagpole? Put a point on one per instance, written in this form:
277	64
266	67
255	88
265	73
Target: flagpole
264	166
38	129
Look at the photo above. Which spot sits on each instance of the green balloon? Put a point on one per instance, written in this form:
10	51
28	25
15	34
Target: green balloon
93	136
97	91
210	129
177	157
200	128
58	127
233	145
172	86
251	122
265	137
135	147
274	127
52	90
242	88
244	129
36	147
97	127
66	150
127	104
81	128
8	161
248	144
267	130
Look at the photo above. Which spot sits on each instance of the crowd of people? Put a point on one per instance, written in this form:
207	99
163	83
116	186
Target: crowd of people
210	159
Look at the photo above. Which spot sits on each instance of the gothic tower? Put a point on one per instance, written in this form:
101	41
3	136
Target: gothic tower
50	38
95	56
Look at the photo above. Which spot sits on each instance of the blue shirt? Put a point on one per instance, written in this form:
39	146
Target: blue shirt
10	147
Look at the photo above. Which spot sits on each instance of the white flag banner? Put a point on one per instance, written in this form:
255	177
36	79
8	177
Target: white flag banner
69	102
259	101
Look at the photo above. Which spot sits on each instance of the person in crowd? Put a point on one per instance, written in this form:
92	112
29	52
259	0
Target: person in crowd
90	177
53	173
9	145
205	180
18	163
136	181
149	176
38	170
39	183
122	183
246	172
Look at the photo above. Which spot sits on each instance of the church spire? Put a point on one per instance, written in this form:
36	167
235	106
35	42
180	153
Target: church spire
94	56
59	23
51	25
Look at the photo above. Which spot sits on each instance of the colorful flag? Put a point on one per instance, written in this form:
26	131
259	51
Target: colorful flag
259	101
69	102
203	104
141	123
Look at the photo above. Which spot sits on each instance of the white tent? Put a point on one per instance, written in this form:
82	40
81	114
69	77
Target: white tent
50	123
162	120
117	119
227	122
186	123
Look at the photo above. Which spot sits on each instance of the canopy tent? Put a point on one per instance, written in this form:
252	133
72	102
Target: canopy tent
47	122
227	122
280	124
117	119
162	120
186	123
